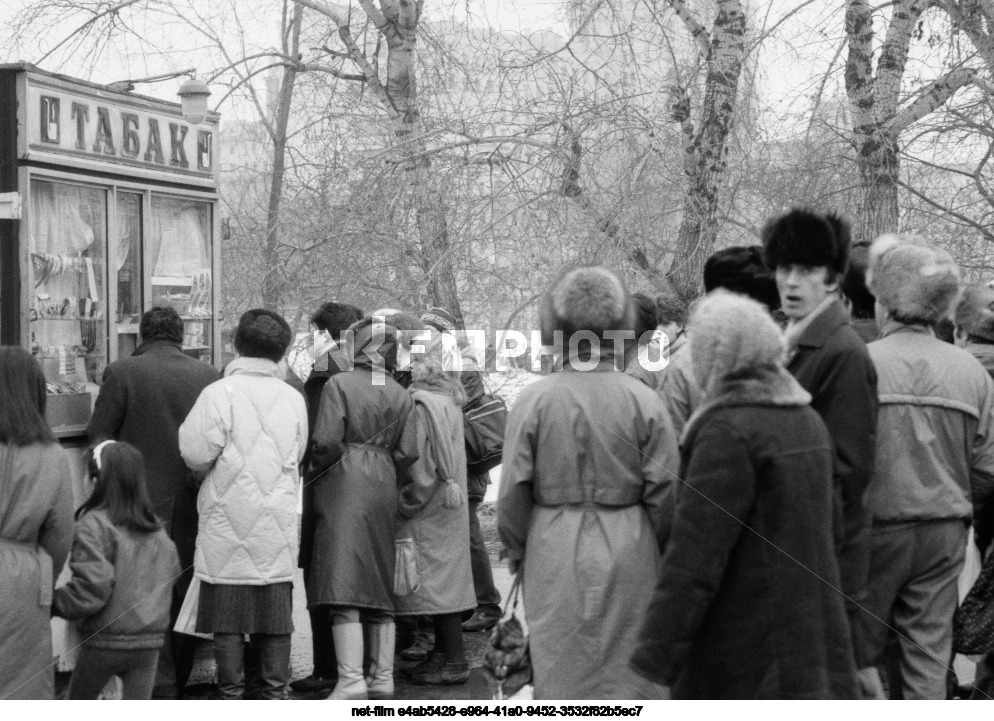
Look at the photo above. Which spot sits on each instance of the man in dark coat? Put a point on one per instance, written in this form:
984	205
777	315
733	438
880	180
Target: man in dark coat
143	400
809	254
330	320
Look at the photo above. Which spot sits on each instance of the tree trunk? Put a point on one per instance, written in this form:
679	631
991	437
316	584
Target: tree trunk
705	166
272	282
402	18
879	168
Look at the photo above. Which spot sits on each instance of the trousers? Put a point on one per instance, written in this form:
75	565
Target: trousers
914	569
96	666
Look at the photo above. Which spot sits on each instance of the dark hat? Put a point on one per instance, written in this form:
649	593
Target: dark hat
741	269
802	237
854	282
439	319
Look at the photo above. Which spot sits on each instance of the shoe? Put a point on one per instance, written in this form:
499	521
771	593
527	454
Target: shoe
423	645
480	622
434	661
351	685
313	683
447	674
382	638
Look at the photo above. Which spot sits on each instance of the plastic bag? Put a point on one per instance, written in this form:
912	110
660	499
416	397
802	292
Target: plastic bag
186	622
405	571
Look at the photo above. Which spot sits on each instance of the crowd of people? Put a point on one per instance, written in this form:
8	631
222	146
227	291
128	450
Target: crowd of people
782	510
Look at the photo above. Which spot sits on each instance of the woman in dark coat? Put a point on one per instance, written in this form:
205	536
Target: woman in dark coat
747	604
362	446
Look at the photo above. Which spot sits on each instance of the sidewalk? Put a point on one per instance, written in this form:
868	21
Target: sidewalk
199	686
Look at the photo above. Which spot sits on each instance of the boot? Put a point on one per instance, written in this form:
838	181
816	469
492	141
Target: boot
380	681
351	685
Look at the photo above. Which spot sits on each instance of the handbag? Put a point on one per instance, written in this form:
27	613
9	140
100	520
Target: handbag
406	579
973	623
507	662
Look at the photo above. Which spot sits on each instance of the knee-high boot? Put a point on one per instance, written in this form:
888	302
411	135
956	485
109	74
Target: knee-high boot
351	685
383	638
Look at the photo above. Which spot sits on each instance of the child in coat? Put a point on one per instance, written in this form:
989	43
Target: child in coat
123	569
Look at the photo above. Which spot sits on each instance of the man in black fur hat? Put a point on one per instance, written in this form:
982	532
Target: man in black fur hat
809	253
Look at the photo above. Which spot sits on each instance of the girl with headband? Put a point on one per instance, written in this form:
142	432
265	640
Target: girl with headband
123	570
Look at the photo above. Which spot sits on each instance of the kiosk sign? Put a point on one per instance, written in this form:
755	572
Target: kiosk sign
104	128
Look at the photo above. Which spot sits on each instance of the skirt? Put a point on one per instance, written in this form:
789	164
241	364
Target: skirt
232	608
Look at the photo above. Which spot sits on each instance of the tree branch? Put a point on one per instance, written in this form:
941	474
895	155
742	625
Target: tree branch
70	36
934	97
693	25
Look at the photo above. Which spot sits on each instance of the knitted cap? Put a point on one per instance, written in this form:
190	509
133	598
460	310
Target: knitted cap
731	334
975	313
439	319
916	282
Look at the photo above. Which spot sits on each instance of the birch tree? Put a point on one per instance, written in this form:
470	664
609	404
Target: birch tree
879	115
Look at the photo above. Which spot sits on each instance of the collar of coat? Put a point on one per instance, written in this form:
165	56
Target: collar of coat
157	346
819	325
892	326
764	386
251	366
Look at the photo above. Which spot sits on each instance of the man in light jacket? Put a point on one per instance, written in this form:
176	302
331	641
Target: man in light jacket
934	464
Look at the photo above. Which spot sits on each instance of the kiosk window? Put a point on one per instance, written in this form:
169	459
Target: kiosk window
129	274
68	295
179	254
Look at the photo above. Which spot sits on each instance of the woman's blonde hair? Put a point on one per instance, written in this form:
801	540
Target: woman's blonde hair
428	372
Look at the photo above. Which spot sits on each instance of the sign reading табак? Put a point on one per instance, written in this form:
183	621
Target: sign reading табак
99	127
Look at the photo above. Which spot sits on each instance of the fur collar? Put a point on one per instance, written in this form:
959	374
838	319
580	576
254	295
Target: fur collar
768	386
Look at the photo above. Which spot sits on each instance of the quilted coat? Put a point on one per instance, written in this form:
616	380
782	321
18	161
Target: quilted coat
35	535
361	449
247	431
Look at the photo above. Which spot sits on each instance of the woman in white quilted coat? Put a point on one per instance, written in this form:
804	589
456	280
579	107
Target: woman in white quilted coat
247	433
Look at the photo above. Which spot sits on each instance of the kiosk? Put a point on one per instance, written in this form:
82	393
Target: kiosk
108	207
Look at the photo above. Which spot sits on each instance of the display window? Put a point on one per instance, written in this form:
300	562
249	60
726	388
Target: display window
179	252
68	327
129	271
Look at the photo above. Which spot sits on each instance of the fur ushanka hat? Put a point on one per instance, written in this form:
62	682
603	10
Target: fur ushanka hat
803	237
590	298
975	313
742	269
916	282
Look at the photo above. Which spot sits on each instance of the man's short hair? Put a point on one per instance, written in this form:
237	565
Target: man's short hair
161	324
262	334
335	317
645	314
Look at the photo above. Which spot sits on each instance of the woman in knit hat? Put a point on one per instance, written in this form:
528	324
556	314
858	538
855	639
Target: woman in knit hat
747	603
433	515
934	464
585	498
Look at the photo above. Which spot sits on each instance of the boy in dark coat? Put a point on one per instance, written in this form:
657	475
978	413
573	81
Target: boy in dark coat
809	254
143	401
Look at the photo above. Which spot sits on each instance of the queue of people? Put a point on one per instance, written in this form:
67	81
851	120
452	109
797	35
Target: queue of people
782	511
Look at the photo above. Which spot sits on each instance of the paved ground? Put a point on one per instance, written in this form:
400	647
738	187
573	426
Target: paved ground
476	688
